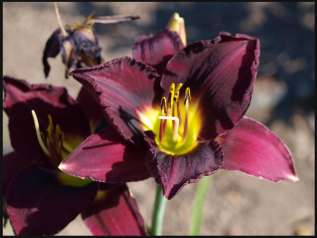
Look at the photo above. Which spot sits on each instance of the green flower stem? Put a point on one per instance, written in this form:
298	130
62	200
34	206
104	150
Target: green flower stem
198	204
158	212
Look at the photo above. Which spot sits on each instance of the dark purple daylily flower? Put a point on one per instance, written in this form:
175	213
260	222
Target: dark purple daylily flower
188	116
80	46
40	199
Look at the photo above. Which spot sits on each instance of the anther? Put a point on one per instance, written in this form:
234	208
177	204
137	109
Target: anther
171	95
178	87
175	110
163	106
38	133
187	95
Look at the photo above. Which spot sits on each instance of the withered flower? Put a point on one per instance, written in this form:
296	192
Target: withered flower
78	43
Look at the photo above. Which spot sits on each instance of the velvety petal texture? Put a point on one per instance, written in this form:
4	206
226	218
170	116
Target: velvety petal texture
21	98
156	50
38	205
105	157
90	107
12	164
252	148
121	87
114	212
173	172
220	74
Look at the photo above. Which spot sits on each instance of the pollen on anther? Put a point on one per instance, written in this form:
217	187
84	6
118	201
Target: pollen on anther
188	97
163	106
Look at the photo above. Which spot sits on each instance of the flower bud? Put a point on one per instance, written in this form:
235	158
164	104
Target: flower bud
177	24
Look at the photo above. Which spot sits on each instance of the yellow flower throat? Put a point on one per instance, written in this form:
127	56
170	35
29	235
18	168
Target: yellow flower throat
176	124
56	148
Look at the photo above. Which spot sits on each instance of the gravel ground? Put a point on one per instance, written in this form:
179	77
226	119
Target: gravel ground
236	204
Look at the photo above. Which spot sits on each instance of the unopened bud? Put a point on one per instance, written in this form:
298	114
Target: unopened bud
177	24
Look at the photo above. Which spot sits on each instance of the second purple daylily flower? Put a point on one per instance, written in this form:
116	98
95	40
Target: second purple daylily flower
183	109
40	199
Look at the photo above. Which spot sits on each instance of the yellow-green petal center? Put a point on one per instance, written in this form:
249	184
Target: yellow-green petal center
176	124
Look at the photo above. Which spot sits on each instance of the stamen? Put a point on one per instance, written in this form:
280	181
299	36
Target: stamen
186	102
175	110
67	148
171	96
176	124
38	133
50	126
163	106
163	113
59	139
170	112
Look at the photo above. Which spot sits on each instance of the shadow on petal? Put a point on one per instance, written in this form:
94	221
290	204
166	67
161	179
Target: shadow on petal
173	172
105	157
123	84
38	205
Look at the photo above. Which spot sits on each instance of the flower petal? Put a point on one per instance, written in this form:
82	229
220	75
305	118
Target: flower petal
13	163
22	97
252	148
173	172
156	50
220	73
104	157
121	87
114	212
38	205
90	107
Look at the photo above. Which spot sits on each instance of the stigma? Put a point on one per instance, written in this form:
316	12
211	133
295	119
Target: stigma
176	124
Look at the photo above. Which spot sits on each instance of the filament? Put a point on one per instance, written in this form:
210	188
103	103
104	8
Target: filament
186	102
163	113
38	133
176	124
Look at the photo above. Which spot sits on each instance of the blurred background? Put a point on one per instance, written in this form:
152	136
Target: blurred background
237	204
